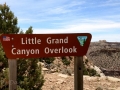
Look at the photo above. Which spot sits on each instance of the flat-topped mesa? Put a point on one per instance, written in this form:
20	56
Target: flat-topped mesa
30	40
57	41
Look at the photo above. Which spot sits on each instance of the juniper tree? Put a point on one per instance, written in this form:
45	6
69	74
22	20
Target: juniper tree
29	76
8	25
8	22
29	31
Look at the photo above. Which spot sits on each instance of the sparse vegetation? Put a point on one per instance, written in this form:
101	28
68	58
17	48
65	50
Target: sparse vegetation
65	61
89	71
92	72
67	71
48	62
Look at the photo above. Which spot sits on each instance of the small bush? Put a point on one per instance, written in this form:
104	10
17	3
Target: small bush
85	72
92	72
65	61
67	71
99	88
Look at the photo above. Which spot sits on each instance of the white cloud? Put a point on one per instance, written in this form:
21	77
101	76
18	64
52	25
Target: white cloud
58	10
93	27
101	27
90	26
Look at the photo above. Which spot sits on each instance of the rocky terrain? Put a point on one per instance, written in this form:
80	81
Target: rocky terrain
58	81
102	56
59	78
105	55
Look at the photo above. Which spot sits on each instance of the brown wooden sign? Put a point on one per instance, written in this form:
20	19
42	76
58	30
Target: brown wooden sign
45	45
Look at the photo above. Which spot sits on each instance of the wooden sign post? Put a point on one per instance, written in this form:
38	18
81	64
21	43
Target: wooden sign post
12	74
78	73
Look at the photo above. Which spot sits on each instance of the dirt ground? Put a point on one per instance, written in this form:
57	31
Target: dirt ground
57	81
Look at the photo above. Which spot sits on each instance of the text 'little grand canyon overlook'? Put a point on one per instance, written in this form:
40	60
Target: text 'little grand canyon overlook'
45	45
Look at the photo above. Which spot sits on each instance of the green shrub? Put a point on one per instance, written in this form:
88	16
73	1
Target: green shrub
67	71
65	61
92	72
85	72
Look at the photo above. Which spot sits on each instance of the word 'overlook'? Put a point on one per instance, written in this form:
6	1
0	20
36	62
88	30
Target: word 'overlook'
49	40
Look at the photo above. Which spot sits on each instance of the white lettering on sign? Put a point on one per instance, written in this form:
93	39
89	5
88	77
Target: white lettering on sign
47	50
30	40
56	41
27	52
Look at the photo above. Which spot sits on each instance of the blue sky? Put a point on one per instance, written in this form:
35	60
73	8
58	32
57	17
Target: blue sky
101	18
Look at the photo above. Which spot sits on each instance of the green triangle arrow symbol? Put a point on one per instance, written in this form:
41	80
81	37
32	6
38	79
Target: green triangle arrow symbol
82	40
